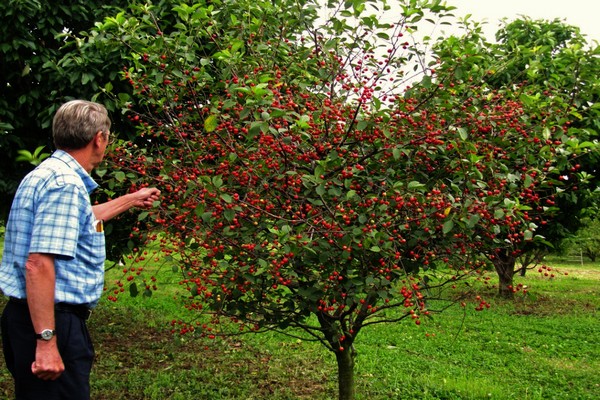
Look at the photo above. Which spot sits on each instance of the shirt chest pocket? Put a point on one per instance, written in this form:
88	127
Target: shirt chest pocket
92	247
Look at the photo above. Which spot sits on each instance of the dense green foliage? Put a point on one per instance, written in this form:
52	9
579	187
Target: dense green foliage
553	70
587	241
48	57
43	65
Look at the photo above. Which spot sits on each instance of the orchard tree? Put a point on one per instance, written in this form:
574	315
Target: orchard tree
295	193
301	190
551	161
587	241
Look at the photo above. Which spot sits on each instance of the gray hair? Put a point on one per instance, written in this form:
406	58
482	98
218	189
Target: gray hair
77	122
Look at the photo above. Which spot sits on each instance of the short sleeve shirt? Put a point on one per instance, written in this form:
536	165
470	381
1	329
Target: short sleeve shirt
52	214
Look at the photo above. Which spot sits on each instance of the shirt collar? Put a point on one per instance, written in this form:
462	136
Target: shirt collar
65	157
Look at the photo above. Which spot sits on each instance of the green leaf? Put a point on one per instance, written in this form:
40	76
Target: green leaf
143	215
207	216
217	181
546	133
229	215
473	220
210	123
133	290
120	176
415	185
448	225
362	125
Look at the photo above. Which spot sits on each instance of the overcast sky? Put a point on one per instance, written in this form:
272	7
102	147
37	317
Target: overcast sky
584	14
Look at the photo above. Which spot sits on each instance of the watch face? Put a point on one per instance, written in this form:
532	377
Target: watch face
47	334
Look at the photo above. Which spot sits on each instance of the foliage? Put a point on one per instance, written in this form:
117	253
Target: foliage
49	57
587	241
34	158
549	67
44	65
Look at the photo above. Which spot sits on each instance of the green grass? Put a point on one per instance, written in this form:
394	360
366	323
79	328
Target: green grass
543	345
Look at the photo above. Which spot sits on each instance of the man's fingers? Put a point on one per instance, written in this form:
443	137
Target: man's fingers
44	375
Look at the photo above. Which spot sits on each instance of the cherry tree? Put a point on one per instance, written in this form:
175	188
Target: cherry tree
551	160
302	188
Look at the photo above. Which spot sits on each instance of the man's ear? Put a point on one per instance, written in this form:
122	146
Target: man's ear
98	138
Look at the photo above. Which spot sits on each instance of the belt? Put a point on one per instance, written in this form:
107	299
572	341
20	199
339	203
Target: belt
80	310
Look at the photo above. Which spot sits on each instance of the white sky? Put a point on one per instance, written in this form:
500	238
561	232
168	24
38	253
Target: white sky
584	14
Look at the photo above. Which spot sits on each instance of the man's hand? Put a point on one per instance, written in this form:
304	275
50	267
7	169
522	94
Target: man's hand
48	364
143	198
146	197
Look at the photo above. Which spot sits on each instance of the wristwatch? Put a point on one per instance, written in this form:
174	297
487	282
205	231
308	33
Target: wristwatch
46	334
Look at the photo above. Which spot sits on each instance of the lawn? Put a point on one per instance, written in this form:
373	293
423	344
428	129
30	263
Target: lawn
543	345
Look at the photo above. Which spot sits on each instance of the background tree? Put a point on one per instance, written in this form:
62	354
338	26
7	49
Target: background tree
48	58
587	241
549	66
35	36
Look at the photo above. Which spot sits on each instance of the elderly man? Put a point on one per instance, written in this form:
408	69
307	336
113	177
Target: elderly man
53	263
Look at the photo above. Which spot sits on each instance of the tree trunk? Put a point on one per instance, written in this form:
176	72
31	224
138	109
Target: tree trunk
590	253
530	259
345	362
505	268
344	352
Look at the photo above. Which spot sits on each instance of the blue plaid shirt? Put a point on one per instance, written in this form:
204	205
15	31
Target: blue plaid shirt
52	214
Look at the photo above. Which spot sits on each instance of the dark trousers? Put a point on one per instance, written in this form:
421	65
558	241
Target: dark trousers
74	345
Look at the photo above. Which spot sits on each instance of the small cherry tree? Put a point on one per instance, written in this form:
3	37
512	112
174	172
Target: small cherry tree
300	189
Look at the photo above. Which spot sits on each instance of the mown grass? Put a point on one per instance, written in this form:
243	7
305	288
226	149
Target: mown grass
539	346
543	345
